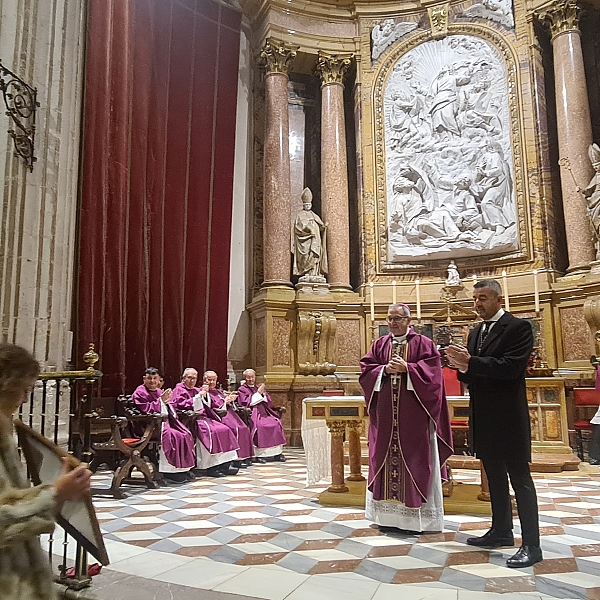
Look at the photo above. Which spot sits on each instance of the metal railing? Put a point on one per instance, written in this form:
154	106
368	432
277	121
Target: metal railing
60	408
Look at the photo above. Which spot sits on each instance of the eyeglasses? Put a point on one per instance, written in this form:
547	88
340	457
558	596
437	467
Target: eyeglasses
397	319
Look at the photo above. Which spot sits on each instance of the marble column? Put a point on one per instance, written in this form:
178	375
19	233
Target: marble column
354	429
337	430
277	58
334	173
574	129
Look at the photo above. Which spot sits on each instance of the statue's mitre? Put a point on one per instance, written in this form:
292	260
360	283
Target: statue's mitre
594	154
306	195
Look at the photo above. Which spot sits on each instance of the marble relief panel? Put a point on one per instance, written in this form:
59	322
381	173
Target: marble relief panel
348	342
281	342
260	337
576	337
448	162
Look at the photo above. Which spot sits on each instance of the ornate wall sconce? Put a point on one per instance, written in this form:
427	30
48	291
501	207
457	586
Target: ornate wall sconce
21	103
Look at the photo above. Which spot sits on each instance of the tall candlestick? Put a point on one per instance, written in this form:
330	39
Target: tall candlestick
418	293
536	291
372	303
394	300
505	291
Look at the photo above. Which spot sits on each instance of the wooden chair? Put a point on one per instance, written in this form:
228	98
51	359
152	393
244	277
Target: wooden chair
587	401
138	449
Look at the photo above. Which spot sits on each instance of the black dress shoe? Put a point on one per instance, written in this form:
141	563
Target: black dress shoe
260	460
215	472
280	458
176	477
492	539
525	557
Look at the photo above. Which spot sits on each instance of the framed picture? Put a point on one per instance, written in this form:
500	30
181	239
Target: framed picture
78	518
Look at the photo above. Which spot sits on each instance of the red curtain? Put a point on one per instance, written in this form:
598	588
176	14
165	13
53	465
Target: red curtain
155	223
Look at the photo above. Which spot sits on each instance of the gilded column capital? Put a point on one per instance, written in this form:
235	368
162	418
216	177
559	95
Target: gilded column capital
332	67
561	16
336	428
356	426
277	56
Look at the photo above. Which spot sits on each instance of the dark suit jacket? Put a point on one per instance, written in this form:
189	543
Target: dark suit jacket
496	378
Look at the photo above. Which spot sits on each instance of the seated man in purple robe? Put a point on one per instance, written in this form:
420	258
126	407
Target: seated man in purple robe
268	436
220	401
176	452
216	446
409	428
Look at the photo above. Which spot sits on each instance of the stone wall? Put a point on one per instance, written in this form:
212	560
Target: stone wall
43	43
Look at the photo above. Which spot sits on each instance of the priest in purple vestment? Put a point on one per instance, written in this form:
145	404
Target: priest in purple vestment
176	452
267	432
409	427
220	401
216	446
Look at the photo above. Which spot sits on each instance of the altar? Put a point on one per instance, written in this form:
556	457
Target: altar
328	420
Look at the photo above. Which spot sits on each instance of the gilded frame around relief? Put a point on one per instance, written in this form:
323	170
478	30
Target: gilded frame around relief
517	141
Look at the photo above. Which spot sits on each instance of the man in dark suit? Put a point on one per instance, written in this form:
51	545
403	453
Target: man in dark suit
493	365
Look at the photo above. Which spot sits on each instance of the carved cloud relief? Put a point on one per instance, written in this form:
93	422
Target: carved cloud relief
448	158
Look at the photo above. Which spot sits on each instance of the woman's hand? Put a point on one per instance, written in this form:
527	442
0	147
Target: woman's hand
71	484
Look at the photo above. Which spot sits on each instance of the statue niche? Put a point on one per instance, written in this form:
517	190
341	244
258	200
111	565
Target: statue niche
309	244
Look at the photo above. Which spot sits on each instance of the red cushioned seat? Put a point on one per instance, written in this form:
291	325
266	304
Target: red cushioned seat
130	441
582	424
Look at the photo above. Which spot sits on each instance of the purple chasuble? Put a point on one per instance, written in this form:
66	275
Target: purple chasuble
399	421
214	435
267	430
176	440
235	423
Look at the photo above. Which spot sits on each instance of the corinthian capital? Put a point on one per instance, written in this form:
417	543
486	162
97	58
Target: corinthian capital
332	67
277	56
561	16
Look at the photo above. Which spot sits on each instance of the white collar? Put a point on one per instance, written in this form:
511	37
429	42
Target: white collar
497	316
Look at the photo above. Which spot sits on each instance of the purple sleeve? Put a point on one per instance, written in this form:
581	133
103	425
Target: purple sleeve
145	402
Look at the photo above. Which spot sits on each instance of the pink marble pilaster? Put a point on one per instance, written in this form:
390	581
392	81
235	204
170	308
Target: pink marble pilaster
574	129
277	57
334	173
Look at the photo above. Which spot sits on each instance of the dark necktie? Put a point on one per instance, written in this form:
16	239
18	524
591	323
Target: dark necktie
485	329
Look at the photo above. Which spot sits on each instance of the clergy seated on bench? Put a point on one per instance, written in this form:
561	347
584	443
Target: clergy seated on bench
220	401
268	436
216	445
176	455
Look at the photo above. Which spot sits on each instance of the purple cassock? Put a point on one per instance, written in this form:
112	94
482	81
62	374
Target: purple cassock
215	436
400	420
176	440
235	423
267	430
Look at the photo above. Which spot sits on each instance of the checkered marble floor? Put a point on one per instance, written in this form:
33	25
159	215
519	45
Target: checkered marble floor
262	534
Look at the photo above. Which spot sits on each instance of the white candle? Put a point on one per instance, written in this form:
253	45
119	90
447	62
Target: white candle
536	291
505	291
372	303
418	293
474	279
394	300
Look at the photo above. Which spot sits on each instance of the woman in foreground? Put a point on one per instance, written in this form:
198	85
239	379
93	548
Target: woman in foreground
26	511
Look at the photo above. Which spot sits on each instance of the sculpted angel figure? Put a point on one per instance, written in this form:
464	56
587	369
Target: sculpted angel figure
309	246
